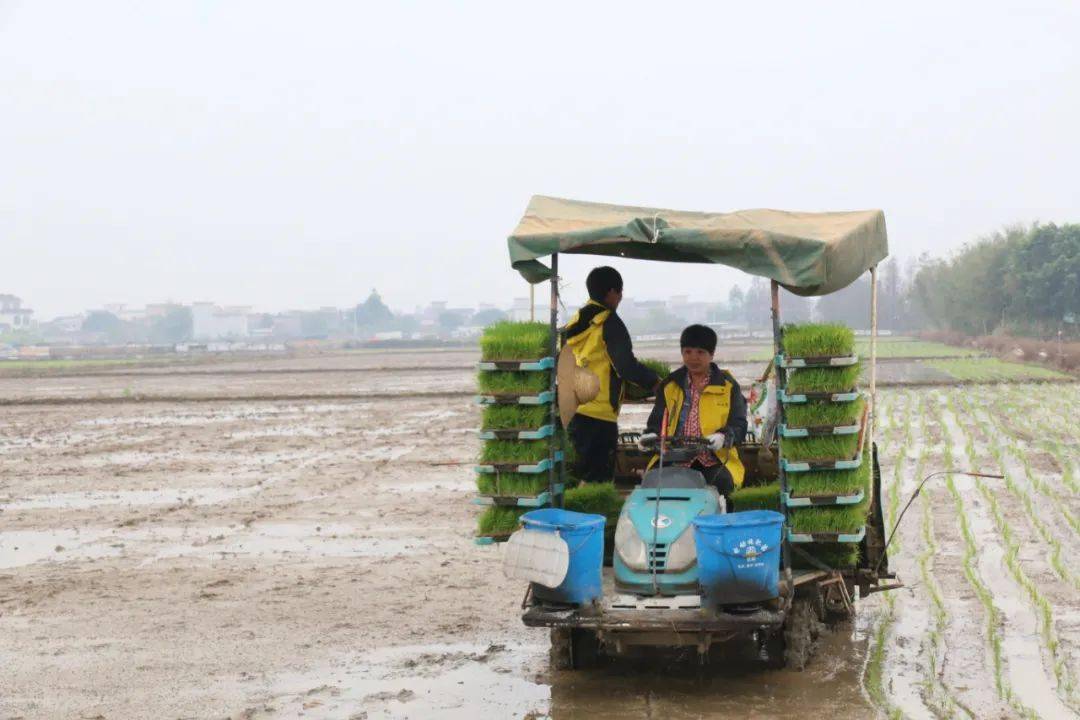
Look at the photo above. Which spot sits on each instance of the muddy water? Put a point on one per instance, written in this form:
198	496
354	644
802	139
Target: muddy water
273	559
460	681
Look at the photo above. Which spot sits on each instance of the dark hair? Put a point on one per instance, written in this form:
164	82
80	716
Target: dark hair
601	280
698	336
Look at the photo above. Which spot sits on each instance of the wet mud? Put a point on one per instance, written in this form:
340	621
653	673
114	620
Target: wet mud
243	559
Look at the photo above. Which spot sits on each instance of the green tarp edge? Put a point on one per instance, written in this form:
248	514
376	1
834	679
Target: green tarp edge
807	253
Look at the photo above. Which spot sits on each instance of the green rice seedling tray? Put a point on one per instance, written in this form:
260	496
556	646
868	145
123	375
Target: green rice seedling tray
756	497
515	417
511	484
541	500
807	466
498	523
516	399
509	340
547	363
828	380
833	555
845	487
820	500
518	433
512	382
822	361
819	430
813	414
595	499
540	467
854	537
806	340
838	523
829	397
811	449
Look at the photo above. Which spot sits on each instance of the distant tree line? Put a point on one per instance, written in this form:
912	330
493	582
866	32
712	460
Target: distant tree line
1020	281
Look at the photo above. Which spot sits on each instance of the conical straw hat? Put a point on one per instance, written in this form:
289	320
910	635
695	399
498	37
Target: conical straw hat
576	385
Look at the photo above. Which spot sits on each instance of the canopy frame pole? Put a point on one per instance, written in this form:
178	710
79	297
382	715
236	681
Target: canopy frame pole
873	351
532	303
556	471
781	382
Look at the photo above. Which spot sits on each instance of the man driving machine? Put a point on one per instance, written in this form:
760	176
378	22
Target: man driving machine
703	401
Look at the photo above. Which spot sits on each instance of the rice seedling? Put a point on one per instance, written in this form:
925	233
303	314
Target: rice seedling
1041	605
523	383
990	369
526	452
595	499
830	519
835	555
636	392
515	341
828	447
756	497
969	562
818	339
882	635
497	520
511	484
830	414
831	482
838	379
515	417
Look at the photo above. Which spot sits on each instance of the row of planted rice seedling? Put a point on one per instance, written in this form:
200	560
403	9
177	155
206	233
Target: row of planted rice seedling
517	426
829	484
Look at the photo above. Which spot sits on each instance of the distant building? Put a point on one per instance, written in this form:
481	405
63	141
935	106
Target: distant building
210	322
13	316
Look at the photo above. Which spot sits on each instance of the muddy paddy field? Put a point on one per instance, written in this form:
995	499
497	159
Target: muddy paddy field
292	537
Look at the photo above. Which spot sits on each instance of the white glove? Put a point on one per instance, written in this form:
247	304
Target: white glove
717	441
646	442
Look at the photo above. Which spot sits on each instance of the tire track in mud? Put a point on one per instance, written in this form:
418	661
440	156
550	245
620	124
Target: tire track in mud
1012	625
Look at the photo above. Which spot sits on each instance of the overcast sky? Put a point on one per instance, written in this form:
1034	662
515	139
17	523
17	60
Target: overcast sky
299	154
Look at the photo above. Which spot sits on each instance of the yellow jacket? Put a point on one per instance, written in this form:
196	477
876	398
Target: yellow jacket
601	344
723	409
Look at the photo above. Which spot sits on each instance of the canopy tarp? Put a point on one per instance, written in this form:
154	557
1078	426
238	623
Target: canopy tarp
808	253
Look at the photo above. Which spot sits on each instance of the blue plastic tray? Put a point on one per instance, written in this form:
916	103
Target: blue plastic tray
785	361
820	500
538	434
517	365
528	469
827	537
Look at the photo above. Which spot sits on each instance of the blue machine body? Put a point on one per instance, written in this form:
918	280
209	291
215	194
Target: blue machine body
682	496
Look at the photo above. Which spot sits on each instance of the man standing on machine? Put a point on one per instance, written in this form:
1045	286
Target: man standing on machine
704	401
601	344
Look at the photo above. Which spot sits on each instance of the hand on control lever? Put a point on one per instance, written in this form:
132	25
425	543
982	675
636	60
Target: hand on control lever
720	440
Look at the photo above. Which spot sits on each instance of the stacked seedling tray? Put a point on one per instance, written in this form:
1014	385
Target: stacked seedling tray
521	457
825	487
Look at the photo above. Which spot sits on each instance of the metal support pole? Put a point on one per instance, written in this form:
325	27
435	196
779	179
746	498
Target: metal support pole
781	382
557	471
873	352
532	303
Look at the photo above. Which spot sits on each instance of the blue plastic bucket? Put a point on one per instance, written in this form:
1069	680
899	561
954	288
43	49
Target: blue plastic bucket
739	556
584	536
